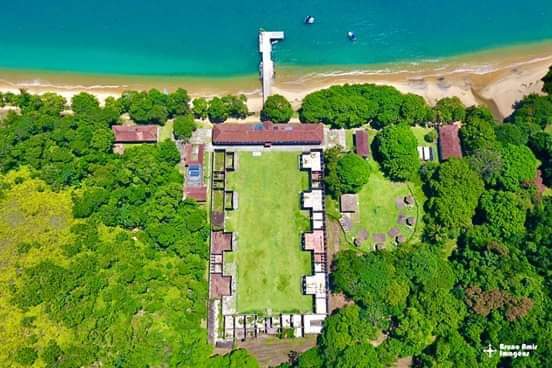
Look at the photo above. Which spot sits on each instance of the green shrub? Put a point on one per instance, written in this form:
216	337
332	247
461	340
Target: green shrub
184	126
430	137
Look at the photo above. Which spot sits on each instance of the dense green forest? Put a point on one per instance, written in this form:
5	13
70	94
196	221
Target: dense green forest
482	274
102	263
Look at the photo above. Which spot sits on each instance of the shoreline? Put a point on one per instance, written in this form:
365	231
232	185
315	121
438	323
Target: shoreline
497	78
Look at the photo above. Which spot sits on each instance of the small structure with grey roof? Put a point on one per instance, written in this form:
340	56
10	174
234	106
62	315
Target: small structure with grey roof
349	203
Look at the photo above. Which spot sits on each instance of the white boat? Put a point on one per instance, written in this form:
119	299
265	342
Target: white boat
352	36
309	19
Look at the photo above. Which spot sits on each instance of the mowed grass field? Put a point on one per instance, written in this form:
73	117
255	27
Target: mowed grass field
378	211
269	260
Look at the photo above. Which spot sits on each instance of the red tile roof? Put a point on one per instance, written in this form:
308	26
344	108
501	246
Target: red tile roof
268	133
449	142
361	143
134	133
197	193
193	154
220	285
314	241
220	242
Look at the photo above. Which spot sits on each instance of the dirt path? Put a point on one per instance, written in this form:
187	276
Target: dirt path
333	231
271	351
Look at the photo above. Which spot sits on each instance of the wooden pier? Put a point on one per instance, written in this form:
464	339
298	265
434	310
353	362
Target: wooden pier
266	68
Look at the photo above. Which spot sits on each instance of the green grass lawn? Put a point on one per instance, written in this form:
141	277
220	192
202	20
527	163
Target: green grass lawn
349	140
166	131
269	259
219	161
419	133
379	212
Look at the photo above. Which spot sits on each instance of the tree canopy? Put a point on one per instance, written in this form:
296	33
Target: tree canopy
533	112
395	148
110	260
504	213
276	109
547	79
353	172
483	274
345	172
200	108
184	126
454	189
350	106
221	108
449	109
520	166
477	131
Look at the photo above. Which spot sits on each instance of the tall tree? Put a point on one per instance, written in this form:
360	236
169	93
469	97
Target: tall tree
454	191
520	166
353	172
449	109
396	151
276	109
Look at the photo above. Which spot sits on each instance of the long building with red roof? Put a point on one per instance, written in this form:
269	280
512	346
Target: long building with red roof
192	158
361	143
268	134
449	142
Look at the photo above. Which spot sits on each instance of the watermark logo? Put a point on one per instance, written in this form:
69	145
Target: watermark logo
511	351
490	351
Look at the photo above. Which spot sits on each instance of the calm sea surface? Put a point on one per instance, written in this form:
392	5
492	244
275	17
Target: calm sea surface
219	38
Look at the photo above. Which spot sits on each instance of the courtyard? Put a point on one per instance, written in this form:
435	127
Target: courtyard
268	259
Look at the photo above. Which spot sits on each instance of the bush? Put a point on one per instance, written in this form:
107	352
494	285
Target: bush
277	109
430	137
184	126
26	356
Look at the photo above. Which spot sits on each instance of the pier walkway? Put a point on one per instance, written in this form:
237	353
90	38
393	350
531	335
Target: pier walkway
266	39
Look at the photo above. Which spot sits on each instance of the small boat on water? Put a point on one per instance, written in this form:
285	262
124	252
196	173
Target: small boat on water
351	36
309	19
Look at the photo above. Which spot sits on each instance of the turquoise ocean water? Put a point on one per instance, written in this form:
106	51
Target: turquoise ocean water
219	38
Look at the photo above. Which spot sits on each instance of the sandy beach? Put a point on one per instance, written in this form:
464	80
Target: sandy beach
497	78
